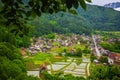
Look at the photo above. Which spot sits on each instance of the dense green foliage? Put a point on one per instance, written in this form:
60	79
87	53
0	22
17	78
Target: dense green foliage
100	72
69	23
60	76
104	59
114	47
9	51
77	53
96	17
11	63
93	57
101	18
18	12
106	35
9	69
110	40
15	39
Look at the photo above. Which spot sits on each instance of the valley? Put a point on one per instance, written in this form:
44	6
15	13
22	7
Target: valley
71	54
59	40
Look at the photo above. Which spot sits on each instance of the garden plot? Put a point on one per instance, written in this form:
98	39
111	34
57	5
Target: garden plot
61	63
55	67
33	73
78	71
72	68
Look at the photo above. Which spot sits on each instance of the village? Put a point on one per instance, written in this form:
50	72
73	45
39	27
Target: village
44	45
53	46
68	47
113	58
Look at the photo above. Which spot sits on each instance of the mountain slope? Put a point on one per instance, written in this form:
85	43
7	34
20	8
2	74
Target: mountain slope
68	23
94	18
115	5
101	18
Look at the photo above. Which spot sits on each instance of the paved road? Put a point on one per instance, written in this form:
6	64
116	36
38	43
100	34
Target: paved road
96	48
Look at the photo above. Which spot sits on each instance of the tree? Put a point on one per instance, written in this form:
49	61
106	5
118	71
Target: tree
101	72
92	57
12	71
9	51
8	69
86	50
104	59
61	76
79	52
17	12
20	64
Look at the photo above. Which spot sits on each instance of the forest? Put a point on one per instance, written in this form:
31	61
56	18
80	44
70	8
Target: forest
94	18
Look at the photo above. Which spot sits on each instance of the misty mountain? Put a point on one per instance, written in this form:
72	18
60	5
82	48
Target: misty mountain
115	5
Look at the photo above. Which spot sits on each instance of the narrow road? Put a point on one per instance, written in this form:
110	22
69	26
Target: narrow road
88	70
96	48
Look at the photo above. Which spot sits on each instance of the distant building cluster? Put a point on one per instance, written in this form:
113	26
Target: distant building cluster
113	58
43	44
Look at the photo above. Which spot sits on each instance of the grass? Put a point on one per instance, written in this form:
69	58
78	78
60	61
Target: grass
78	61
56	59
31	66
109	34
33	62
55	50
81	46
55	43
92	67
42	56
